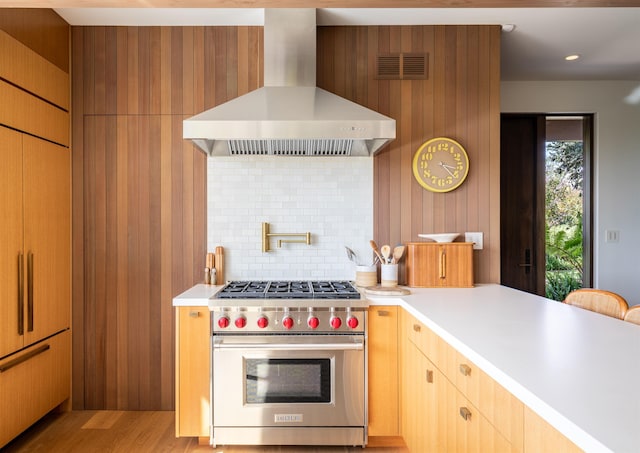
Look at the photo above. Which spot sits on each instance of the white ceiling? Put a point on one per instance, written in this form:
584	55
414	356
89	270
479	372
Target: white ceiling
607	39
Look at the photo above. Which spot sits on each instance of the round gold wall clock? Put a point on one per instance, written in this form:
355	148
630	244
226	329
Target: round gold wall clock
440	164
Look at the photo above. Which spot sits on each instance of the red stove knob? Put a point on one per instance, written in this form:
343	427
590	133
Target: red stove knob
287	322
240	322
313	322
263	322
223	322
335	322
352	322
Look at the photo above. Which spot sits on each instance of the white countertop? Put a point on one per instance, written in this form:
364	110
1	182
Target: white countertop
577	369
197	296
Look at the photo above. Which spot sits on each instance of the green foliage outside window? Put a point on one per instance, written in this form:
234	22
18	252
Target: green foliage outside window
563	211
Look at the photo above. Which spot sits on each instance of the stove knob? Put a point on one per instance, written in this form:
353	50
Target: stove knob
263	322
313	322
352	322
240	322
335	322
223	322
287	322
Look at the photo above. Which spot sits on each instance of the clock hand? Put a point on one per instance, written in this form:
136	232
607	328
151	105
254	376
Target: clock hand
446	167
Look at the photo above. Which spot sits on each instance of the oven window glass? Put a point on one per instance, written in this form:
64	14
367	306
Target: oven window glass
288	381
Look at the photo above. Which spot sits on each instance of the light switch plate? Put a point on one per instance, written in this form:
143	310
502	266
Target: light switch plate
476	238
612	236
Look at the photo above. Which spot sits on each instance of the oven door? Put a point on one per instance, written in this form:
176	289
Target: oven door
289	380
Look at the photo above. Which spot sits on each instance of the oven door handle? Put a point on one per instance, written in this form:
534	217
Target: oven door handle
219	344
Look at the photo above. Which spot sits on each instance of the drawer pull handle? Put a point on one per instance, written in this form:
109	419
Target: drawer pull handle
194	314
383	313
24	358
465	369
465	413
416	327
430	376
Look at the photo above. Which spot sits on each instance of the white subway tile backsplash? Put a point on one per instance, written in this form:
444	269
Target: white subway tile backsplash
330	197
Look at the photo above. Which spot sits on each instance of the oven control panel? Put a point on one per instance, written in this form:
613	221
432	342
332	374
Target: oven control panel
288	320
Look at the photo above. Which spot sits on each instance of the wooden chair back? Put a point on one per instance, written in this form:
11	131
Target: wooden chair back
633	315
598	300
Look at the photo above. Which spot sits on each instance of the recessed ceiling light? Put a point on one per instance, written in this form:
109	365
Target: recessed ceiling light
572	57
508	28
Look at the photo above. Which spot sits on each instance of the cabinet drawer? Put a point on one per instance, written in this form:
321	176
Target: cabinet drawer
32	382
422	337
469	430
504	411
497	405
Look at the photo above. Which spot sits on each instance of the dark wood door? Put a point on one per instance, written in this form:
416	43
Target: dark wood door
522	249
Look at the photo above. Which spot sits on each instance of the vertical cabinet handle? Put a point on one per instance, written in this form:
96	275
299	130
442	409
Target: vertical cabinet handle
383	313
430	376
443	265
465	413
465	369
30	292
20	294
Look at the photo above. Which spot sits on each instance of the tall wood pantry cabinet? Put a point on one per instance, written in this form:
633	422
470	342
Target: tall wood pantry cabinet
35	237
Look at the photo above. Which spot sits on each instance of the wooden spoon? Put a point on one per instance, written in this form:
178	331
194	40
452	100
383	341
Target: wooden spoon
397	254
386	252
374	246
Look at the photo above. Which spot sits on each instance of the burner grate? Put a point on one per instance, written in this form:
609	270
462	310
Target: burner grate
288	290
334	290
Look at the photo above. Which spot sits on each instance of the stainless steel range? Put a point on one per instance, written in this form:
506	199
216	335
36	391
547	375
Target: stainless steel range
289	364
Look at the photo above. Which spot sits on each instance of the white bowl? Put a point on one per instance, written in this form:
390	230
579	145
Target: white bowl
442	237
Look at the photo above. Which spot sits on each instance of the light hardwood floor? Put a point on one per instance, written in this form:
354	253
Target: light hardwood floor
139	432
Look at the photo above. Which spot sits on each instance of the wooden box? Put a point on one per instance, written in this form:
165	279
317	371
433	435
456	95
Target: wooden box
438	265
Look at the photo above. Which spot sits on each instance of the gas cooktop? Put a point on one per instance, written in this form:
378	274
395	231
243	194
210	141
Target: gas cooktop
288	290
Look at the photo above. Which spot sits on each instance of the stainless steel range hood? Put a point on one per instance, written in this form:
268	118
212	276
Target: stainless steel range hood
290	116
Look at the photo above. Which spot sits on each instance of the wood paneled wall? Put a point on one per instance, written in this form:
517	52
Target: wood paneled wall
460	99
139	193
139	226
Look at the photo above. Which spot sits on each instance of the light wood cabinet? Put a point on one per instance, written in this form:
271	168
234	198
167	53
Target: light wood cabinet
459	408
12	254
47	239
498	406
35	264
193	401
35	249
33	382
383	371
465	427
433	265
421	425
35	283
541	436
